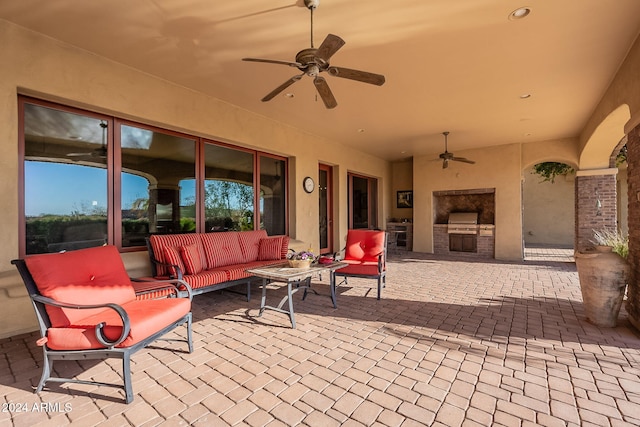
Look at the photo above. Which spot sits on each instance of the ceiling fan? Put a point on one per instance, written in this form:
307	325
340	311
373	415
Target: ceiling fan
314	61
100	152
446	156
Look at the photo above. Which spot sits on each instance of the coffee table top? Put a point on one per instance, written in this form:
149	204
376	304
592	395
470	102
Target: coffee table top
282	271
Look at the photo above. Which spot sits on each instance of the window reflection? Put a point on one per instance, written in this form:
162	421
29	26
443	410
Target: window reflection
90	179
272	195
65	178
157	184
228	189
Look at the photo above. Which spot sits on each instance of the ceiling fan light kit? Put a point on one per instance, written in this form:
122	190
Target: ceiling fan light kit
312	62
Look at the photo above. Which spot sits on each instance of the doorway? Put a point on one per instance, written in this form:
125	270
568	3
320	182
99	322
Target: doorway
363	203
325	196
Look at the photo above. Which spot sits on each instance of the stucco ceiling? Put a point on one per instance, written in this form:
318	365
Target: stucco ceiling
460	66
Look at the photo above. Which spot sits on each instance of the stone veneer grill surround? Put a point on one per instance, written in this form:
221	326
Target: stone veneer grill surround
480	200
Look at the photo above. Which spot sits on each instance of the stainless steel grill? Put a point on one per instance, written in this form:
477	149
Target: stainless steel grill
463	223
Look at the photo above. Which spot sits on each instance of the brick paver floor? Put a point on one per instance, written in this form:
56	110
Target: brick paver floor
452	342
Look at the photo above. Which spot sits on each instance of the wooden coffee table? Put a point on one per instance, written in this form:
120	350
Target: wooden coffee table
296	279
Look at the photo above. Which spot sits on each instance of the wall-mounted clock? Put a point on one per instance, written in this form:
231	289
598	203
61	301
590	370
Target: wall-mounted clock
308	184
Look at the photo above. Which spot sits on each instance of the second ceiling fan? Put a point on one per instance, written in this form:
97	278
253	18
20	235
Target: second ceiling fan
314	61
447	156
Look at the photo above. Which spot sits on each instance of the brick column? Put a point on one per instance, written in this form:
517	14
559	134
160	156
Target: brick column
595	204
633	176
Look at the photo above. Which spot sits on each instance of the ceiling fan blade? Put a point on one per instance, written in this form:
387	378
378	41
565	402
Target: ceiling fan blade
325	92
329	47
273	61
462	159
282	87
361	76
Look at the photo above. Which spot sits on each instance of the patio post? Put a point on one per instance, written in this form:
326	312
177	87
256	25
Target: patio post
633	173
595	204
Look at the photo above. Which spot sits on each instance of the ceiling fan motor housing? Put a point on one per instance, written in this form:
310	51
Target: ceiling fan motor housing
311	4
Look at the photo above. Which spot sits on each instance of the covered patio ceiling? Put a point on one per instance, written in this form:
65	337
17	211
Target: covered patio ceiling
461	66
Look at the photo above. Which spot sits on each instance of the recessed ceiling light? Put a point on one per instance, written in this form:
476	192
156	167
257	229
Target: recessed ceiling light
519	13
525	96
289	95
361	130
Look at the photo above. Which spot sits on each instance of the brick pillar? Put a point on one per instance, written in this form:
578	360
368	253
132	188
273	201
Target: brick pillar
595	204
633	176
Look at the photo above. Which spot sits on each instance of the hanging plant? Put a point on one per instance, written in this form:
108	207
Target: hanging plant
549	170
622	156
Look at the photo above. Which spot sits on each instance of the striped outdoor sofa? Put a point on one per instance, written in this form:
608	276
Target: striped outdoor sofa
212	261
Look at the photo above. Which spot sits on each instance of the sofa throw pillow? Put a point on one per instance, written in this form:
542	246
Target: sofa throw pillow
190	255
270	248
172	256
285	247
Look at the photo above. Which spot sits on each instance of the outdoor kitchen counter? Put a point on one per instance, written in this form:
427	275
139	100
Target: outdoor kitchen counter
485	246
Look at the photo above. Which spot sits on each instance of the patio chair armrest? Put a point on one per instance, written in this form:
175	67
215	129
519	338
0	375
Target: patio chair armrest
102	339
180	288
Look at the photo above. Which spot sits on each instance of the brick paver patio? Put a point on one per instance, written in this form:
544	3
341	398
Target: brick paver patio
451	343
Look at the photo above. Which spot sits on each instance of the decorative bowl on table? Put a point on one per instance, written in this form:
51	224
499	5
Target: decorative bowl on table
300	263
302	259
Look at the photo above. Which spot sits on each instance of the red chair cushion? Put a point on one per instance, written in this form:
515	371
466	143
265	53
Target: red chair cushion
365	269
86	276
146	318
364	245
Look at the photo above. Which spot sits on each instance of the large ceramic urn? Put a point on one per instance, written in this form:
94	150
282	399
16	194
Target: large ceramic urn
603	280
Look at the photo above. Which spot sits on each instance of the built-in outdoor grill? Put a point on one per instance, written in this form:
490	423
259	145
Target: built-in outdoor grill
463	223
463	231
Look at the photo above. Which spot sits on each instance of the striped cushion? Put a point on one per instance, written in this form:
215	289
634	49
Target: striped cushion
160	241
250	242
191	258
270	248
285	247
172	256
206	278
222	249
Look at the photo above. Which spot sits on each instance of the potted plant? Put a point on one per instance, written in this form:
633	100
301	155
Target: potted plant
604	273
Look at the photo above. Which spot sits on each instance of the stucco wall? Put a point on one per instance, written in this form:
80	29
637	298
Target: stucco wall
548	210
43	67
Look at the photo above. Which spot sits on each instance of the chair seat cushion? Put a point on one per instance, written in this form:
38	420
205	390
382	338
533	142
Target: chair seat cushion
360	269
146	318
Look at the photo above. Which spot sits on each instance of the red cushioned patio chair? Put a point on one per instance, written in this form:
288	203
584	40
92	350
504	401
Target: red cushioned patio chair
86	308
366	254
